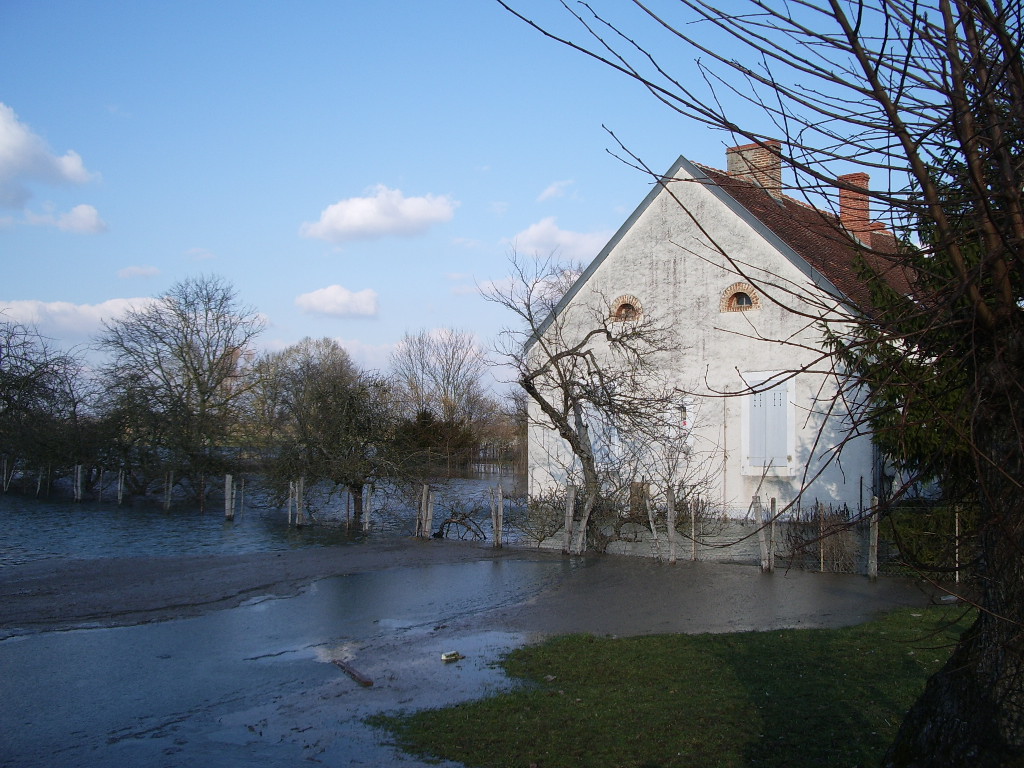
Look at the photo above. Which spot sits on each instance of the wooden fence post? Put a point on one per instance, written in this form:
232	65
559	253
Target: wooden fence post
821	536
421	514
497	514
570	506
755	503
169	483
771	538
645	500
369	507
873	540
693	530
495	530
229	498
670	521
956	544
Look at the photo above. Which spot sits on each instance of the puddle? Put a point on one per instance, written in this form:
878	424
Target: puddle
255	685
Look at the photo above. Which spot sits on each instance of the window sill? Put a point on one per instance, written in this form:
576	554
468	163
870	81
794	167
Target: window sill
750	471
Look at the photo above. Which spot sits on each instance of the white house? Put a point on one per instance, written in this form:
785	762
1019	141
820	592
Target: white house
740	271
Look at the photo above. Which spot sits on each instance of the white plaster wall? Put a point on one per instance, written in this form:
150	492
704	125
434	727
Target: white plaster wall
679	275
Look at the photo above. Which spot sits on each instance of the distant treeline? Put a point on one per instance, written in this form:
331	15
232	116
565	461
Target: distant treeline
183	394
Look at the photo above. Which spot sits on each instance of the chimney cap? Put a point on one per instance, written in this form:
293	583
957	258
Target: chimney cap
854	204
759	163
773	143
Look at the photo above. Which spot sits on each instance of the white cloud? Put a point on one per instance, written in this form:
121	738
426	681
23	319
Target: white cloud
545	238
555	189
83	219
338	301
25	160
137	271
65	322
385	212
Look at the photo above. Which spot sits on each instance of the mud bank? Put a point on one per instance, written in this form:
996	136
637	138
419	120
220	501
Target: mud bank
64	594
596	594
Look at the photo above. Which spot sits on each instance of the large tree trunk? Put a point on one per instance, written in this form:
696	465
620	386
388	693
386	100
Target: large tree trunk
972	711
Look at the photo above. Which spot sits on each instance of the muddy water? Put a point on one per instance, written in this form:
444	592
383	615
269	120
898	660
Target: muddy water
255	685
34	529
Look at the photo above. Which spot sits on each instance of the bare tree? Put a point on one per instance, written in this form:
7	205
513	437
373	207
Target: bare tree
42	399
439	377
177	373
928	97
590	371
440	371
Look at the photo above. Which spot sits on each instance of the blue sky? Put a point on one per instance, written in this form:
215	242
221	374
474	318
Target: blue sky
353	169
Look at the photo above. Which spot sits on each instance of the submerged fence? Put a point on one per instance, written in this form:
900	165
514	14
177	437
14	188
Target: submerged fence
912	539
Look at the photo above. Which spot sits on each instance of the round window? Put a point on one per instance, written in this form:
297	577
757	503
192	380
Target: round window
740	300
626	312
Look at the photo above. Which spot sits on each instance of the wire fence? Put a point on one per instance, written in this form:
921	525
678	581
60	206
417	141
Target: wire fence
920	539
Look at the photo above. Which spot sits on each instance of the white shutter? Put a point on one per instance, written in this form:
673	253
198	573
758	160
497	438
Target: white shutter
767	439
776	426
756	452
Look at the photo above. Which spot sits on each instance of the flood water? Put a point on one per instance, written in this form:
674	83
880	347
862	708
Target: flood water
255	685
38	529
252	685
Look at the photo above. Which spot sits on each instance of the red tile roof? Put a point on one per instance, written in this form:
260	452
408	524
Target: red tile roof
818	238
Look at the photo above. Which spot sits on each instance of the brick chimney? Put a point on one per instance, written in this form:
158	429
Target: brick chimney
759	163
854	206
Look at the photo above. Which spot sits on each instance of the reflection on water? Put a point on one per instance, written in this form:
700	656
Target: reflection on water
37	529
254	685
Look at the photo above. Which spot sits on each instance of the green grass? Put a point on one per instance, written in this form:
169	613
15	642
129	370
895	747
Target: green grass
785	698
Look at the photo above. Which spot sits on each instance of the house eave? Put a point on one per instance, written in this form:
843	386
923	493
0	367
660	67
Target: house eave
697	174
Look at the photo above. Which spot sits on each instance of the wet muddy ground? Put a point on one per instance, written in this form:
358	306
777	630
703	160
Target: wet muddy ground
227	660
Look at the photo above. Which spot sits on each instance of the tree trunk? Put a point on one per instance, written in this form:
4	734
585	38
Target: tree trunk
591	483
972	711
582	522
355	491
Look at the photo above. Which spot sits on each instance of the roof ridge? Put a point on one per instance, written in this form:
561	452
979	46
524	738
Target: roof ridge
816	236
876	226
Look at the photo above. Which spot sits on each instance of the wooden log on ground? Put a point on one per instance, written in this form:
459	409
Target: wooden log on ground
352	672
